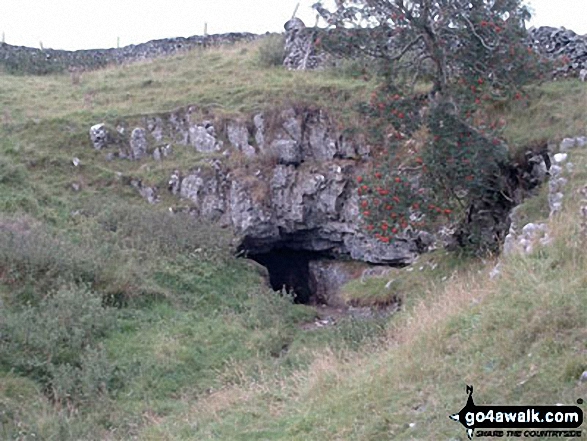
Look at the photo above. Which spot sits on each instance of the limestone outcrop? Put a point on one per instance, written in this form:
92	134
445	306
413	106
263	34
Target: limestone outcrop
281	179
287	179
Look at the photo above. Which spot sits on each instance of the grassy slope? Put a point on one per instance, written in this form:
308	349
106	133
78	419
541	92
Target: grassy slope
520	339
195	321
216	356
228	79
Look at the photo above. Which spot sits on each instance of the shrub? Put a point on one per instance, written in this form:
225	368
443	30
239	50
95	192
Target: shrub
271	51
148	230
115	252
57	343
42	257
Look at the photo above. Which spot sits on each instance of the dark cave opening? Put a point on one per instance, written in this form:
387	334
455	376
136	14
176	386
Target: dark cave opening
290	270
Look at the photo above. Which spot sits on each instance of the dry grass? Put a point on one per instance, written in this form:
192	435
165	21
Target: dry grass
226	79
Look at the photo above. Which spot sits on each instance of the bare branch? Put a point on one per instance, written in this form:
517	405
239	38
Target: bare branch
479	37
406	48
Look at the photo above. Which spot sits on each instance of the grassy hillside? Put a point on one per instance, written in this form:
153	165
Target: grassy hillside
118	321
520	339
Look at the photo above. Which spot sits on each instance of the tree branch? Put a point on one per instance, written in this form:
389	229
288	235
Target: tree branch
479	37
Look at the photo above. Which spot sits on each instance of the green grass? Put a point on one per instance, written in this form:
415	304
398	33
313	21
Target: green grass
200	347
551	112
429	273
228	80
519	339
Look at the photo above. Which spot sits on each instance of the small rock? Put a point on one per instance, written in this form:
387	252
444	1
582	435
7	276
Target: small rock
75	162
583	378
567	144
150	194
174	184
157	154
531	229
555	170
99	136
560	157
75	187
201	139
138	143
167	150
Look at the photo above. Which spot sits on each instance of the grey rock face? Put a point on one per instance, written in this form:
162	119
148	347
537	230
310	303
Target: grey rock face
99	136
312	208
303	198
259	121
309	135
238	135
295	136
368	249
249	214
288	151
328	276
138	143
204	187
202	140
319	142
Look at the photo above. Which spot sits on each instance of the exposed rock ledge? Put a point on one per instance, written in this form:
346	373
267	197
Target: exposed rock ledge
281	180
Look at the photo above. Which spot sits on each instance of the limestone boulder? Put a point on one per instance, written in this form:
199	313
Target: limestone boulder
99	136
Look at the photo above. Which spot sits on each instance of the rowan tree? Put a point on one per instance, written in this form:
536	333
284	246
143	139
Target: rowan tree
465	55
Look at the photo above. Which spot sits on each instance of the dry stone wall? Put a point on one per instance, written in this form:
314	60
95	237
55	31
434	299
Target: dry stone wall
557	43
21	59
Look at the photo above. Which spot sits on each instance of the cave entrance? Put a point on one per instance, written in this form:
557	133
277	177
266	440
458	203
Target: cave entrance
290	270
